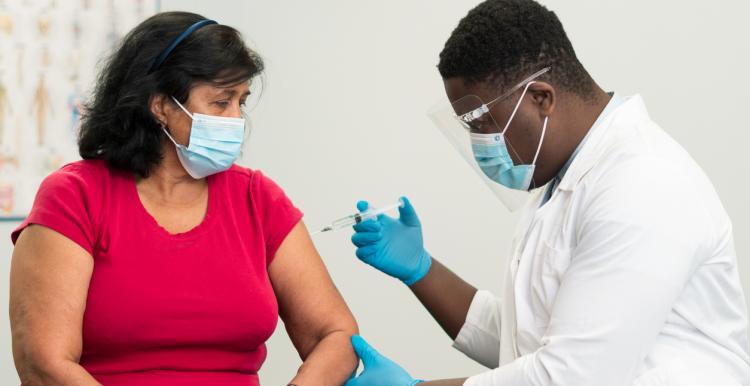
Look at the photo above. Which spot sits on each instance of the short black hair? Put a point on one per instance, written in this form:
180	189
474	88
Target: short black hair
117	123
505	41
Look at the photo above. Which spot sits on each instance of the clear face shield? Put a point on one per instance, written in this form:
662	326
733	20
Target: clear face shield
470	116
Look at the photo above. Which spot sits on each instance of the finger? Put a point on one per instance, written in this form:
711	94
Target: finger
364	351
362	206
366	253
361	239
368	226
407	215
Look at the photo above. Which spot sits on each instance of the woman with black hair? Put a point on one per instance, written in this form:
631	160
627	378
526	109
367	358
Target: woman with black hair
156	260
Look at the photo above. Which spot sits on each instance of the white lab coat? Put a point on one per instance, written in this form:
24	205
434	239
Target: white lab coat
627	276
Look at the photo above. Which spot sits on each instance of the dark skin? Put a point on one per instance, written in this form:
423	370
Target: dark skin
570	117
448	311
446	296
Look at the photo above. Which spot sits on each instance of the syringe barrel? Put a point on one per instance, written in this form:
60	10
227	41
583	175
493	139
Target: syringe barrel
346	221
357	218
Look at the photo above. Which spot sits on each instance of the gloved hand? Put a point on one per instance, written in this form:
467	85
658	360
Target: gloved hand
393	246
379	370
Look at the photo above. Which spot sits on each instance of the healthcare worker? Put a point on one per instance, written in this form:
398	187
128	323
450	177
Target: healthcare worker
623	269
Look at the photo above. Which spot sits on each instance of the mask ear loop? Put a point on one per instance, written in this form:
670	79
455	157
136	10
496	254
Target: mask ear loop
512	115
164	129
539	148
541	140
182	107
515	109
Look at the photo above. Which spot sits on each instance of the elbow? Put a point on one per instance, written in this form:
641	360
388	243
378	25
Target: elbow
345	331
342	336
38	366
337	334
349	327
35	369
344	325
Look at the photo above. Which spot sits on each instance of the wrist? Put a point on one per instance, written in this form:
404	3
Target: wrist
423	267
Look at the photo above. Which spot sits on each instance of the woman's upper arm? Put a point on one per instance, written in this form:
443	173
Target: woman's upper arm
309	303
49	282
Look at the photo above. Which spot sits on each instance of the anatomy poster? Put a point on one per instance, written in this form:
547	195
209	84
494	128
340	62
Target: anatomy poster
50	52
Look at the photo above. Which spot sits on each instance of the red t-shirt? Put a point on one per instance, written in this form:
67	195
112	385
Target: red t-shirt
194	308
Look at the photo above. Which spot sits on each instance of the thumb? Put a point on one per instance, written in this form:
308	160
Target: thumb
362	206
407	215
364	351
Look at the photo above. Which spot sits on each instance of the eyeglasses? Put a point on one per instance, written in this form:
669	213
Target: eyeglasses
467	118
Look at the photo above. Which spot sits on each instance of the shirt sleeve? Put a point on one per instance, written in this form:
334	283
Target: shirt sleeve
638	244
276	212
479	337
64	204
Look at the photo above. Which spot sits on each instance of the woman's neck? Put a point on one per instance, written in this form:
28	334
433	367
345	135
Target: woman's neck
170	182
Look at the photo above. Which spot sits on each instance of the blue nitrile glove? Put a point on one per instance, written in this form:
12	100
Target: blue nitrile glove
393	246
379	370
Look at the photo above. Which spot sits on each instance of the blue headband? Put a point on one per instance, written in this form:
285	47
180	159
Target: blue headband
161	58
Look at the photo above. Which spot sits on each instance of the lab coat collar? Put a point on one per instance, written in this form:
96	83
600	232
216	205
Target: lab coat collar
631	111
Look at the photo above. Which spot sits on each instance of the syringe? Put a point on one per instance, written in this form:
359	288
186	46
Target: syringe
357	218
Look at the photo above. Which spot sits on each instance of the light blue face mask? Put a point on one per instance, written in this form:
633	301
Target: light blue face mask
492	156
215	143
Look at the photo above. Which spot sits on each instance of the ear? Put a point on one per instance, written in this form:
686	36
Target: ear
158	106
544	97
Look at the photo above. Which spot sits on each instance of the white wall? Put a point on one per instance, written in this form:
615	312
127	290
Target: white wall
343	119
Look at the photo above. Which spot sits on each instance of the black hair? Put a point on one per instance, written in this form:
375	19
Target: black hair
117	123
504	41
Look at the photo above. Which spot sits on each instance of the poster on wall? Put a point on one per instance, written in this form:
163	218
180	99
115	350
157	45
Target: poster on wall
50	51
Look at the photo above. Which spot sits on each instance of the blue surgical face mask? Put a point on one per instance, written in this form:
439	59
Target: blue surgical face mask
215	143
492	156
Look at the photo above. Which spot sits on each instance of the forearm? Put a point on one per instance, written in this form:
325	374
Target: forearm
331	362
63	373
446	296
